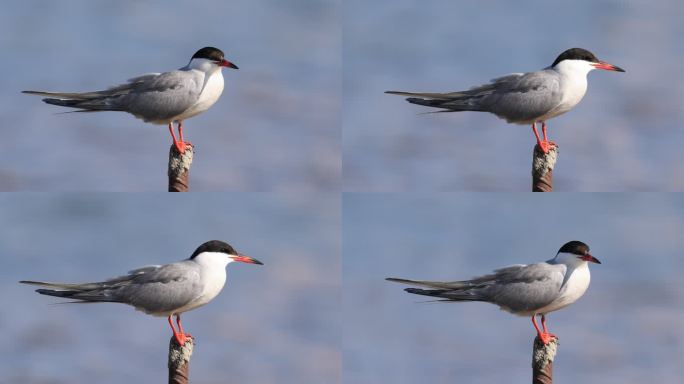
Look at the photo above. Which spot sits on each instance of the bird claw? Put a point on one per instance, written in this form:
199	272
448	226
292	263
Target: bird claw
181	338
546	146
546	337
181	146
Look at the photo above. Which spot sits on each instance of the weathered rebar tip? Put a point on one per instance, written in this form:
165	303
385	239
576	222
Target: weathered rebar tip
542	361
179	361
179	168
542	169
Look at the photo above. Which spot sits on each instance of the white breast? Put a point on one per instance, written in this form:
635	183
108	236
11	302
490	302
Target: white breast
574	288
573	92
573	85
211	92
213	277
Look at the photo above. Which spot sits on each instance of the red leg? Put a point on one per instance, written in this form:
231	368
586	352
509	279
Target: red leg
180	133
544	336
180	337
180	145
551	143
544	327
543	144
180	326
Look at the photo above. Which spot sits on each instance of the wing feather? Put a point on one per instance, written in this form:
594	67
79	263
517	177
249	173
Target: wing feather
517	97
518	288
153	97
152	289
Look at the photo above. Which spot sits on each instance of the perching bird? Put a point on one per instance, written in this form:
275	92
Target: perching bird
524	290
524	98
160	290
158	98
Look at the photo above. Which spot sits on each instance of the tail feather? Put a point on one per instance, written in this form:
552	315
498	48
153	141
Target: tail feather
450	102
62	95
449	105
448	294
52	292
427	95
88	101
88	105
432	284
447	290
90	292
63	286
77	295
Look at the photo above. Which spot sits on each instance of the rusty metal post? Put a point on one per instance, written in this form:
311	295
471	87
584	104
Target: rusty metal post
179	169
542	361
179	361
542	169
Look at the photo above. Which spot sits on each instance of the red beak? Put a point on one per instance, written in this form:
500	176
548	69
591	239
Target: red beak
246	259
590	259
607	67
226	63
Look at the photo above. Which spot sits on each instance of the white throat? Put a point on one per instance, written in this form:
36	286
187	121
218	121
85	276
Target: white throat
573	84
577	278
213	260
569	259
211	89
204	65
574	68
212	277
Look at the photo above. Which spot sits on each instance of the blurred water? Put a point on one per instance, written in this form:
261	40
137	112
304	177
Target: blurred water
276	323
275	128
624	135
625	329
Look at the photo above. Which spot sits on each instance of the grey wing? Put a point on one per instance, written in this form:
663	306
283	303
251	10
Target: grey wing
95	100
448	285
520	98
160	289
162	97
154	97
523	288
153	289
474	283
427	95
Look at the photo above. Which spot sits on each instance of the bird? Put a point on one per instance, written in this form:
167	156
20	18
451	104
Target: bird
160	290
157	98
522	289
524	98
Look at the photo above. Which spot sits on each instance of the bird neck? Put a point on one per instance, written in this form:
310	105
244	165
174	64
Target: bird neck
203	65
574	69
213	260
570	260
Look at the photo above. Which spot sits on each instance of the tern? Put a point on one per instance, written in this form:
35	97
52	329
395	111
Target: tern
524	98
524	290
158	98
160	290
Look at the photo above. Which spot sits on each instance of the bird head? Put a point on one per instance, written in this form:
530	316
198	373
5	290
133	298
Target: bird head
209	58
217	251
581	60
574	252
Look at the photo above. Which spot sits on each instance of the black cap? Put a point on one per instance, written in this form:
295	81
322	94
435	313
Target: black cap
214	246
576	54
575	247
209	53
